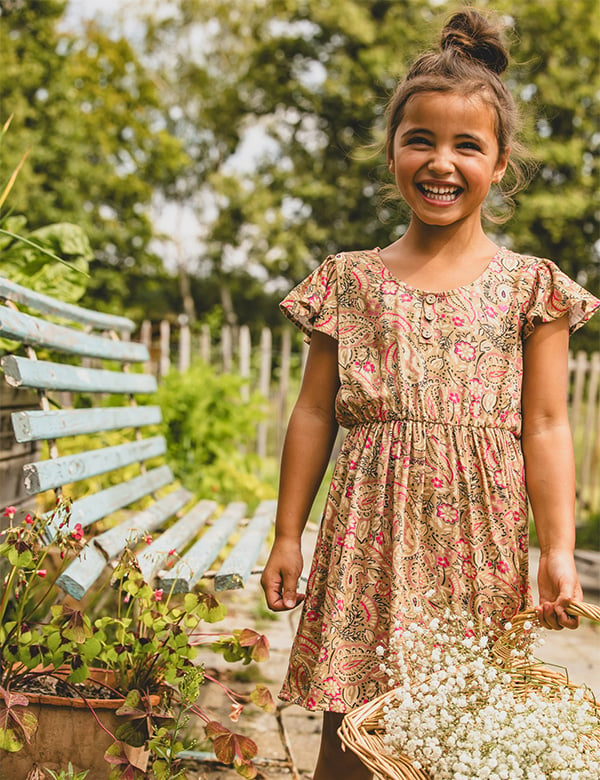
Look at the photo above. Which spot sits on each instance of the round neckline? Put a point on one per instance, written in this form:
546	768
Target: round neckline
419	290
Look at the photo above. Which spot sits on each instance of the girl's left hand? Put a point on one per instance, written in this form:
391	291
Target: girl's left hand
558	584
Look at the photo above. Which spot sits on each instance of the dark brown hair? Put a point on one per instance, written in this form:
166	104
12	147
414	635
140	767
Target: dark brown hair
470	61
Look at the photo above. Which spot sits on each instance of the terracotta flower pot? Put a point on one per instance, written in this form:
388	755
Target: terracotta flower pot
68	730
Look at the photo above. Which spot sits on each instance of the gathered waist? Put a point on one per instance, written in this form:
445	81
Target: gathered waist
426	422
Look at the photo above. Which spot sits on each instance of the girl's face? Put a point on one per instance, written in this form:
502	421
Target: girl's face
446	157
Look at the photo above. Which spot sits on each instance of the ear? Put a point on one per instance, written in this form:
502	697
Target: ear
391	165
501	166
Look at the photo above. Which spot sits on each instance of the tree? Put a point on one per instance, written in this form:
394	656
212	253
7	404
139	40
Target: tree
301	88
90	116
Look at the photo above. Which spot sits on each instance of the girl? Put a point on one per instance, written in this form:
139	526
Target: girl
445	357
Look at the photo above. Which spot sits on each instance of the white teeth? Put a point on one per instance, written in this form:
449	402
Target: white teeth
440	193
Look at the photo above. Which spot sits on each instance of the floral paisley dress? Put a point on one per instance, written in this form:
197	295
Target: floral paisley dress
428	490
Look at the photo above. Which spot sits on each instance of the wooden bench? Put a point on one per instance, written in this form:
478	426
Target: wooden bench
63	351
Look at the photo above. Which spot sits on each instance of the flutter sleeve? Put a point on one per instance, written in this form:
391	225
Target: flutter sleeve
556	295
313	304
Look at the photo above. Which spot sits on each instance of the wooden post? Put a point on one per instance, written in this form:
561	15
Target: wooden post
146	339
205	343
244	360
589	475
264	382
185	344
165	348
284	384
226	349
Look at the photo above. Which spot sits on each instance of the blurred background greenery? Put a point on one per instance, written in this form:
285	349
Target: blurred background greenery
213	151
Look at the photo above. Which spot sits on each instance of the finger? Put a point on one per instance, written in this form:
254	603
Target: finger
290	595
548	617
566	620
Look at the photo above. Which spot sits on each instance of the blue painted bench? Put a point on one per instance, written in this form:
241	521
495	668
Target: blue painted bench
62	350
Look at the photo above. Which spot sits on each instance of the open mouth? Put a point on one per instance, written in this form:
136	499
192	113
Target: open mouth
443	194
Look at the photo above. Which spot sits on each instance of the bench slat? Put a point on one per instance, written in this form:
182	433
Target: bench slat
83	572
47	305
19	326
38	426
156	555
113	542
94	507
237	568
187	571
43	375
48	474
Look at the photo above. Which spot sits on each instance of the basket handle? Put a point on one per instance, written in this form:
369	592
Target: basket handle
506	641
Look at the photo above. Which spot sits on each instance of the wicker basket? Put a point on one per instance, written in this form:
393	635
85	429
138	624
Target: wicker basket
362	729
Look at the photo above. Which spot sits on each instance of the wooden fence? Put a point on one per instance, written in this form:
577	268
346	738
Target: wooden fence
274	363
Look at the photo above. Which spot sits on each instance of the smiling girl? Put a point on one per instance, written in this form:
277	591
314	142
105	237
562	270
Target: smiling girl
445	357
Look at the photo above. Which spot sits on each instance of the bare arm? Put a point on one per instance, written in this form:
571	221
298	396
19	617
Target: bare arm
550	469
309	439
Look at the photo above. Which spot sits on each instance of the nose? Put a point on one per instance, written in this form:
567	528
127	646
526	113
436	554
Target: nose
441	161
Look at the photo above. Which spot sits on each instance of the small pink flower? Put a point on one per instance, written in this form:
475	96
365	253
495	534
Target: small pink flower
158	594
10	512
447	513
443	562
173	551
127	598
29	519
77	532
148	539
41	573
464	350
503	567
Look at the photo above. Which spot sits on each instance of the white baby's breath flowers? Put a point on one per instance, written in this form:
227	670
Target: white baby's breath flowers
458	713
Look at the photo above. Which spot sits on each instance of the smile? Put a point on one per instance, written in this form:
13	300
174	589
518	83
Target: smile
444	194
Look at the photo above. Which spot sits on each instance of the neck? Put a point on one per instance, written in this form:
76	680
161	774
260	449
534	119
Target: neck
448	241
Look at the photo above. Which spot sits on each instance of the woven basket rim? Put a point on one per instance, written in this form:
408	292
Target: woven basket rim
361	730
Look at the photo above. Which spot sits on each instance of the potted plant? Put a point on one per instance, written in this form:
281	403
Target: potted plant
129	670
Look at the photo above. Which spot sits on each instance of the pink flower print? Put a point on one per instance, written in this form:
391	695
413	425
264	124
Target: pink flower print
491	312
437	482
447	512
443	562
379	538
389	287
331	686
406	297
311	703
369	368
458	321
469	570
475	407
454	397
502	567
352	465
312	615
464	350
406	462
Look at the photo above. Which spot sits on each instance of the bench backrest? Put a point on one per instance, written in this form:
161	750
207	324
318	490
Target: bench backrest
64	351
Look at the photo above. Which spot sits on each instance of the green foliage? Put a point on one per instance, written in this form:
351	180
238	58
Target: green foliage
206	422
68	774
147	639
90	117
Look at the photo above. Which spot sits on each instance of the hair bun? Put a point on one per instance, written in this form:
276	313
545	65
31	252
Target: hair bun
471	35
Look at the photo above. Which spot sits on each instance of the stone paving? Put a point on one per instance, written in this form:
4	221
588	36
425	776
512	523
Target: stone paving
288	740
